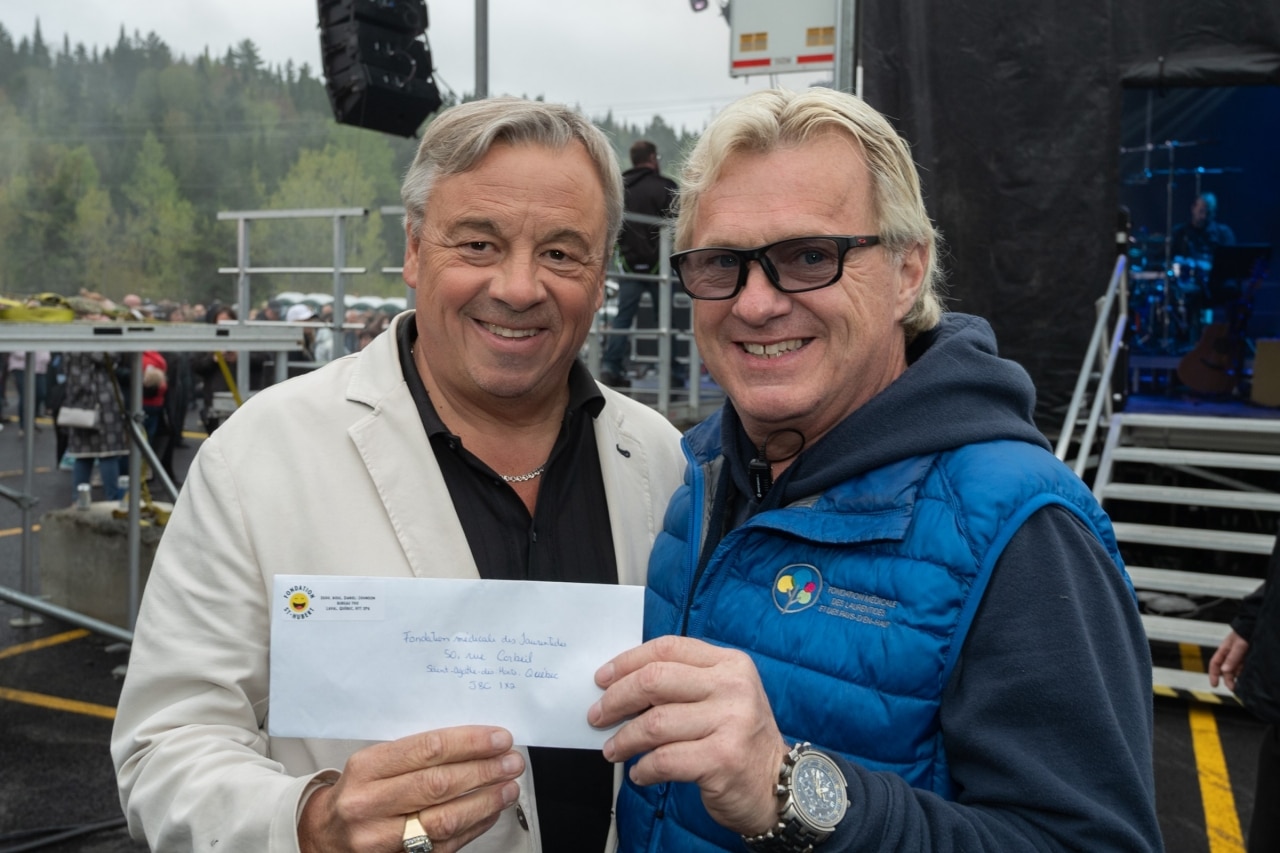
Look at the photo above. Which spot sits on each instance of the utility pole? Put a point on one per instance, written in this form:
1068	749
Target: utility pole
482	48
846	76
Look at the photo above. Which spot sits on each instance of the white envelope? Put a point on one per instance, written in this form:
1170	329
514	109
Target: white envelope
381	658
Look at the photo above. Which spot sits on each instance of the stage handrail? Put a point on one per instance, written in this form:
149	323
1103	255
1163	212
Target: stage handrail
1106	359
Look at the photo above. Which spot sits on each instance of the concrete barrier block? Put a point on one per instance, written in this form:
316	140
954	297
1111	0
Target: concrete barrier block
84	560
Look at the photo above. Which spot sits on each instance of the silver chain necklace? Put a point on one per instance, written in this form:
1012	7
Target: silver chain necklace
506	478
524	478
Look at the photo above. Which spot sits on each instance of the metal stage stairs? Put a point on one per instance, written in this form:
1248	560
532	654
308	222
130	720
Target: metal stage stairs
1215	453
1232	462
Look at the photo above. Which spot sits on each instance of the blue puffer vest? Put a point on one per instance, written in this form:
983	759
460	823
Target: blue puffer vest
854	606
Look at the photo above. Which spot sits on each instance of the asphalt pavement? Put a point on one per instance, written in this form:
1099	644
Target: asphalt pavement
59	685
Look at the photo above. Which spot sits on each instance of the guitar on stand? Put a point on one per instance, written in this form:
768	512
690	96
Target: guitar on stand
1215	366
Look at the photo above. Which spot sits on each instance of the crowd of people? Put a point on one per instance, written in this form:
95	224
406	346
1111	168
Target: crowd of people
177	386
362	324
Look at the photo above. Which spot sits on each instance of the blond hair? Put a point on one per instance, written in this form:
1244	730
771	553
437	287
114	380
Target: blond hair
765	121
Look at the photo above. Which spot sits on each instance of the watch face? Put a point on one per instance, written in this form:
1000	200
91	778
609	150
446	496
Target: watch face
819	790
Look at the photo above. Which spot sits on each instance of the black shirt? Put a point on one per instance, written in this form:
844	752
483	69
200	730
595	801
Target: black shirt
568	538
1199	243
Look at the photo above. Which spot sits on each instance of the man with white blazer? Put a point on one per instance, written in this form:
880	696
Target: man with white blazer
434	452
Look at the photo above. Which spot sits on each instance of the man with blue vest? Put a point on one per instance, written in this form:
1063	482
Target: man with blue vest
881	615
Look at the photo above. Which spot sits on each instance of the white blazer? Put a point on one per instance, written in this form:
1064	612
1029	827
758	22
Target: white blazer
329	473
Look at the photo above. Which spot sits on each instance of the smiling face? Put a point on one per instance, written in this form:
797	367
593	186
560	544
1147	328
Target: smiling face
509	271
806	360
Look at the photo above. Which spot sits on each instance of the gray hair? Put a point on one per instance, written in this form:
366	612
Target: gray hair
765	121
457	139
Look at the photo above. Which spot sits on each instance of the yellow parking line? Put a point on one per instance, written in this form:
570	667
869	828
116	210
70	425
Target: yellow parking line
40	700
43	643
18	472
54	702
14	531
1221	820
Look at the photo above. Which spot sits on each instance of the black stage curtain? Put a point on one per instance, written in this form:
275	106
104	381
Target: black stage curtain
1013	110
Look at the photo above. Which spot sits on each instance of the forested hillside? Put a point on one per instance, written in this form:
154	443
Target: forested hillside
114	165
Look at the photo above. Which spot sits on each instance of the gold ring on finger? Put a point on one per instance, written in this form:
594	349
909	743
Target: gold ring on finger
415	837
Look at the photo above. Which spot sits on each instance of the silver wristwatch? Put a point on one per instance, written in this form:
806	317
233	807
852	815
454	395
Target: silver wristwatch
812	799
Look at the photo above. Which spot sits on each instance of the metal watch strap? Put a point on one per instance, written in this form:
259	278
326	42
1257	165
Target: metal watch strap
785	836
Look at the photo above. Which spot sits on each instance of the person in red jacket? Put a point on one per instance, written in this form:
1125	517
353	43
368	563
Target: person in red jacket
154	385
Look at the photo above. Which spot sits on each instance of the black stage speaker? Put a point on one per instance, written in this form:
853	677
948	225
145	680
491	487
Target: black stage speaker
377	68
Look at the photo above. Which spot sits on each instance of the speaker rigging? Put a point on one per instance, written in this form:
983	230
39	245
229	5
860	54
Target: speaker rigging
377	63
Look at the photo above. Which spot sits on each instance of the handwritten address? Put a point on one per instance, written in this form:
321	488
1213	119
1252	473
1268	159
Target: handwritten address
489	661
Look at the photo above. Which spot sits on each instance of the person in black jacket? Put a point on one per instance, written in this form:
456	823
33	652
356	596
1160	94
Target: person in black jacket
212	381
1195	240
646	191
1248	662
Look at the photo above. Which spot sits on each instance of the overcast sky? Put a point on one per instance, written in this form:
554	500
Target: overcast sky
638	57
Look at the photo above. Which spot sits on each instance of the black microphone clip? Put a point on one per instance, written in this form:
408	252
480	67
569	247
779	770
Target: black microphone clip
761	474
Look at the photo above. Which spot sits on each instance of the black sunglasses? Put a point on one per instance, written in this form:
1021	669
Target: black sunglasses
792	266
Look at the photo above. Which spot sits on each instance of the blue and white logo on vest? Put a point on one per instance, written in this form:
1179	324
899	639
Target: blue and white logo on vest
797	587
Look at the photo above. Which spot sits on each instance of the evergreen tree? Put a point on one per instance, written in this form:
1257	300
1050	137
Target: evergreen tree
39	50
42	248
349	171
158	228
8	56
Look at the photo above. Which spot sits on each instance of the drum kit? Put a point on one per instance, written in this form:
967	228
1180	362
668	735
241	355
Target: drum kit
1168	307
1169	303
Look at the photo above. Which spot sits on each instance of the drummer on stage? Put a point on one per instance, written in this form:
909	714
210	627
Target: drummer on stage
1194	241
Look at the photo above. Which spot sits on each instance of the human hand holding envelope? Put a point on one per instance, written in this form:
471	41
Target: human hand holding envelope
369	658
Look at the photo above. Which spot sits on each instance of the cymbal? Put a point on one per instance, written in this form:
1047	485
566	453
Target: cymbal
1169	143
1143	177
1200	170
